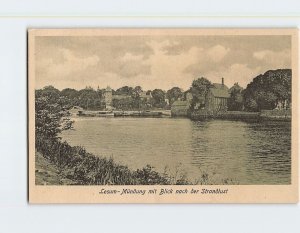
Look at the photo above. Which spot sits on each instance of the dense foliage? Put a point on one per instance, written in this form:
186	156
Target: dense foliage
236	101
51	113
174	94
269	90
84	168
199	91
158	96
127	98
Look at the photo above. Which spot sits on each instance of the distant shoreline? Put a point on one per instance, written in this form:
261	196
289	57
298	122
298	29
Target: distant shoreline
271	115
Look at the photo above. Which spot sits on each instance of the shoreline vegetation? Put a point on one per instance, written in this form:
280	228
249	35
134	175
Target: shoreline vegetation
58	163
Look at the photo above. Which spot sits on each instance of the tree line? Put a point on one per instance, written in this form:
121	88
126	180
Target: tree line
266	91
91	99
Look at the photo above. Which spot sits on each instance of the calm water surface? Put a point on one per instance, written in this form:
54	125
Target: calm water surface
249	153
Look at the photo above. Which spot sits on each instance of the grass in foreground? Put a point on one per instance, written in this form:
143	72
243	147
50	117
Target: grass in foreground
47	173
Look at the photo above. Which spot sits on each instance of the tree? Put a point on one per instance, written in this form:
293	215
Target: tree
70	93
174	94
138	89
51	92
235	102
251	104
124	104
126	90
268	90
158	96
199	91
87	98
136	92
51	114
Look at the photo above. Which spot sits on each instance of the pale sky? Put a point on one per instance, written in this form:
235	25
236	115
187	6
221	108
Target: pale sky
156	61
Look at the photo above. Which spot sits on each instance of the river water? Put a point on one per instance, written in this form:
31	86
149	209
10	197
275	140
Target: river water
248	153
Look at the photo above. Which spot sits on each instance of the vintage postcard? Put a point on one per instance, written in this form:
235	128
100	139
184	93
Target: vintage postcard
163	115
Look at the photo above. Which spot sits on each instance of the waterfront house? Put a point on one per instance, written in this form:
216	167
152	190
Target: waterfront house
216	100
109	95
217	97
180	108
147	95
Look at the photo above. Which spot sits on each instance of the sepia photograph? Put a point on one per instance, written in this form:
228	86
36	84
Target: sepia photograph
160	107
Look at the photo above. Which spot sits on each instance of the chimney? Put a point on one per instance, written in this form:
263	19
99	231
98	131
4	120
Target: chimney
222	81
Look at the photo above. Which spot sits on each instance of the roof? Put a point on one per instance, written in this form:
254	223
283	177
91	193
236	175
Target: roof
220	86
144	94
181	103
220	90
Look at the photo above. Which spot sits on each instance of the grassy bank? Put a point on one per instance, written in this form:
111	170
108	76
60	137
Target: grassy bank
83	168
46	173
58	163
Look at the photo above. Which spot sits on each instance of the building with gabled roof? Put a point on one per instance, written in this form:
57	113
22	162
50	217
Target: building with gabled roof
217	97
180	108
216	100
